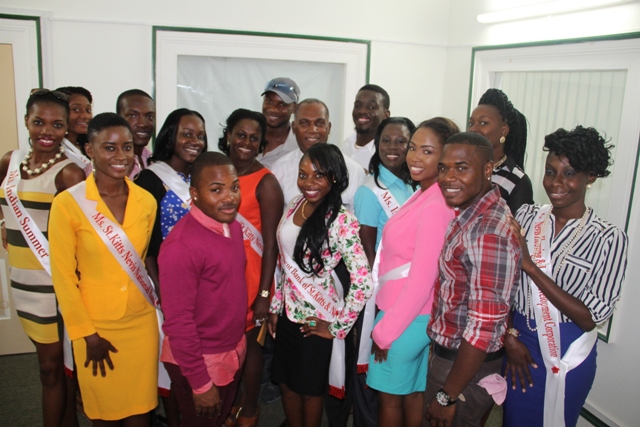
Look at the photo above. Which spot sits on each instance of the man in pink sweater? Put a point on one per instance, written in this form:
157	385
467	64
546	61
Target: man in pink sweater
204	296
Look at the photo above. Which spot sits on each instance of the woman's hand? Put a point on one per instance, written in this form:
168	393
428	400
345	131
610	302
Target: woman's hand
4	237
527	263
518	361
208	404
380	355
273	322
98	350
260	309
315	326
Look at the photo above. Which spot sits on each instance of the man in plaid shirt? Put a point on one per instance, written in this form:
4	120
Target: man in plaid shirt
479	274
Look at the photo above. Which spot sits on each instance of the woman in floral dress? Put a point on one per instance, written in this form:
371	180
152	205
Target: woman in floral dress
310	316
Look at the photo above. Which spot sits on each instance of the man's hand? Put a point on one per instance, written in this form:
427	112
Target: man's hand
208	404
438	415
518	361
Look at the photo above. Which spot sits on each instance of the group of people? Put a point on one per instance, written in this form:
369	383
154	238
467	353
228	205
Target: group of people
406	276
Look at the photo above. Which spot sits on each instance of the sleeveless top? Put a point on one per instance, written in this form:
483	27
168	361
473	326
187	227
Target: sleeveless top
250	209
33	293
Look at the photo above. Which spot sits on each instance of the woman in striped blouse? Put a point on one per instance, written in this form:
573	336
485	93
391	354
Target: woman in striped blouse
571	283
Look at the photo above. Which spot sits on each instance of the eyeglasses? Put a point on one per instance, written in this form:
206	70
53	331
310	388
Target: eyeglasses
44	92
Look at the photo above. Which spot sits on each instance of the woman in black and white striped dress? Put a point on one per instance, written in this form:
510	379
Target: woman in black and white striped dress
573	268
505	127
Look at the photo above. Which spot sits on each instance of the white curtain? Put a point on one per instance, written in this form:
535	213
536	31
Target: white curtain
552	100
215	86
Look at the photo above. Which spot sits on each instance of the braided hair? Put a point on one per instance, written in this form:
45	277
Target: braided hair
515	145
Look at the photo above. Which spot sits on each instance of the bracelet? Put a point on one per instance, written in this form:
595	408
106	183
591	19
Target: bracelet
514	332
1	222
264	294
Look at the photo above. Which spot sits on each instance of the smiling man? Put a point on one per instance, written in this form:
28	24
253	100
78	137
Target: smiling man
369	109
139	110
311	126
280	97
479	274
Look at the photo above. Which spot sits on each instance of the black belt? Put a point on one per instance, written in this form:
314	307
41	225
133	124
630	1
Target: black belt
449	354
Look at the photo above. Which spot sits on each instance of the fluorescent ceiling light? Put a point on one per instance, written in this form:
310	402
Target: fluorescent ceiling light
544	9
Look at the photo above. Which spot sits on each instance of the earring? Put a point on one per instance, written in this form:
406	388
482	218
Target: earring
589	186
489	179
502	139
93	166
228	143
195	198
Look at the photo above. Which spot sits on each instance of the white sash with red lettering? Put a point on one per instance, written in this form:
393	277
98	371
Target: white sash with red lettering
547	322
399	272
325	305
74	154
38	244
172	180
116	240
389	203
251	233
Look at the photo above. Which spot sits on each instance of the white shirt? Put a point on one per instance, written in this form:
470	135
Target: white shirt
269	159
286	171
362	155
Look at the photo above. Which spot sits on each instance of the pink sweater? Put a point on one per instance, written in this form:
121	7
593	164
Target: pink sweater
415	234
204	295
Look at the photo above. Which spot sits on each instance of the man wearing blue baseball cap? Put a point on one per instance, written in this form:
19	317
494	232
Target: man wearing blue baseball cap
280	98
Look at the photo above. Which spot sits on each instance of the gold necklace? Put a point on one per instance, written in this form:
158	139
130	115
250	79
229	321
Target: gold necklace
304	205
44	167
245	171
499	163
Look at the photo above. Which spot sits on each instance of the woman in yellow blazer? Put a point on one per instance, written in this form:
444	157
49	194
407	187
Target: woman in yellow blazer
110	321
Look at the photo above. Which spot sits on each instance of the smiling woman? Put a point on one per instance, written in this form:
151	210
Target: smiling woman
259	213
98	228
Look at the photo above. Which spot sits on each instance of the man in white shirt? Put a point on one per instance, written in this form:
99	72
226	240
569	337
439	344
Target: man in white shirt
311	126
369	109
280	97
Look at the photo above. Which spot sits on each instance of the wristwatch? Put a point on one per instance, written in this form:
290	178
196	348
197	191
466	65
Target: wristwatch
444	399
264	294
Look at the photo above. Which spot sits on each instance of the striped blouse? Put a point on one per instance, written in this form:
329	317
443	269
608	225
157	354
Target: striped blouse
515	186
593	271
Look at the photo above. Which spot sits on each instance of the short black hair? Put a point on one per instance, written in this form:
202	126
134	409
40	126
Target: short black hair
48	98
128	93
205	160
515	144
76	90
476	140
310	101
386	101
234	119
375	162
165	143
586	150
103	121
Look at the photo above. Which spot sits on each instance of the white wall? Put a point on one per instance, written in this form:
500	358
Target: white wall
107	46
618	378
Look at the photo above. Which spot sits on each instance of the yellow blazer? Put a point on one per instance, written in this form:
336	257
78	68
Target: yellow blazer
89	283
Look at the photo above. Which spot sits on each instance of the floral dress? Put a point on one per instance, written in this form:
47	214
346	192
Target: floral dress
344	244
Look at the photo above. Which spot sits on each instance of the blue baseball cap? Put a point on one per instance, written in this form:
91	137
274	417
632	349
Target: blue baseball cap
285	88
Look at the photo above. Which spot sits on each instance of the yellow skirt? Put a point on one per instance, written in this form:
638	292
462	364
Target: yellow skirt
132	387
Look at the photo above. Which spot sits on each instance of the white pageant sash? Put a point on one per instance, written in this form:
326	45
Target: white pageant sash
251	233
364	349
548	328
116	240
389	203
38	244
74	154
171	178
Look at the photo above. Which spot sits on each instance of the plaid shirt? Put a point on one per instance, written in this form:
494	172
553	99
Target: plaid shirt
479	275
